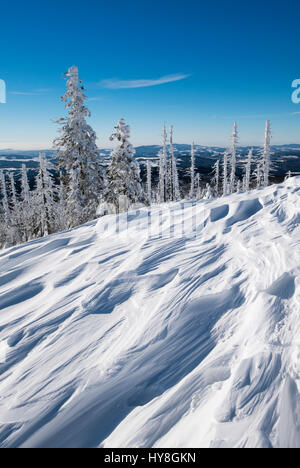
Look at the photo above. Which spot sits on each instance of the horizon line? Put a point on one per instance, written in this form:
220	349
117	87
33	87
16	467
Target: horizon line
152	144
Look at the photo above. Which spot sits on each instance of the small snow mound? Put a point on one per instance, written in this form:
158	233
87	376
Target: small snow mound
244	210
284	287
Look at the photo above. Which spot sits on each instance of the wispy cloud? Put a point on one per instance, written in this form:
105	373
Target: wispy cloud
129	84
35	92
43	90
96	98
295	113
22	93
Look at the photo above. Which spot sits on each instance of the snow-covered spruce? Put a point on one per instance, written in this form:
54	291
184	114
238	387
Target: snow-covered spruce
77	151
248	171
4	211
267	154
45	200
208	193
216	178
233	153
198	185
149	181
3	189
174	190
258	173
192	193
163	168
26	215
123	174
225	173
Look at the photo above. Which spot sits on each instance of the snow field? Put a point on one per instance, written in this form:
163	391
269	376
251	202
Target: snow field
112	338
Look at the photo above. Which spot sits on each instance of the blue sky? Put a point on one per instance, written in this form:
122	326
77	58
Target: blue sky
216	62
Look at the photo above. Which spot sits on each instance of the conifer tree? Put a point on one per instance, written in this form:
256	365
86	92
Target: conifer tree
4	212
61	204
267	154
248	170
45	197
149	182
208	193
13	193
216	179
123	172
78	155
25	185
5	204
26	211
198	186
258	174
244	183
177	195
174	190
15	212
233	152
225	173
192	189
163	169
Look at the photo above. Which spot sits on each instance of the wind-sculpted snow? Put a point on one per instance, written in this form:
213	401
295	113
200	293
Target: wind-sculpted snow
178	329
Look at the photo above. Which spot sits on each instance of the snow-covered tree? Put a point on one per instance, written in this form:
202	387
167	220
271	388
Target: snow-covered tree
225	173
288	175
16	213
25	193
61	205
163	168
208	194
174	189
78	155
248	171
244	183
267	153
192	189
5	204
13	193
177	195
4	212
233	152
198	186
3	228
216	178
123	173
258	174
45	197
149	181
26	212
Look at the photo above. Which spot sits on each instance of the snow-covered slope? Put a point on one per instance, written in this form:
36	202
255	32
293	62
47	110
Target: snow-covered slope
119	340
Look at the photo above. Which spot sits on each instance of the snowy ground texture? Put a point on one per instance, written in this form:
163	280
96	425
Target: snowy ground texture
117	340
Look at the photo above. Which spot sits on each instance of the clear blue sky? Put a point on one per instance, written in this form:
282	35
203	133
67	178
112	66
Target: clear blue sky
240	57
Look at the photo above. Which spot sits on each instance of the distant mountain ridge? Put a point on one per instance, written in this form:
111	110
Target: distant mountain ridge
285	157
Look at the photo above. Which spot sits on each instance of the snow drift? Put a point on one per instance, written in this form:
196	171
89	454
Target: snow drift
188	338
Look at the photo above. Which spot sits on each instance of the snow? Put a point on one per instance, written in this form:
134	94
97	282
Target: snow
115	339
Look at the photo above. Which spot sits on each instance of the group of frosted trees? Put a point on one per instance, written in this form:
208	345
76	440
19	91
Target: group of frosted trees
224	180
31	213
84	183
169	189
86	188
256	172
